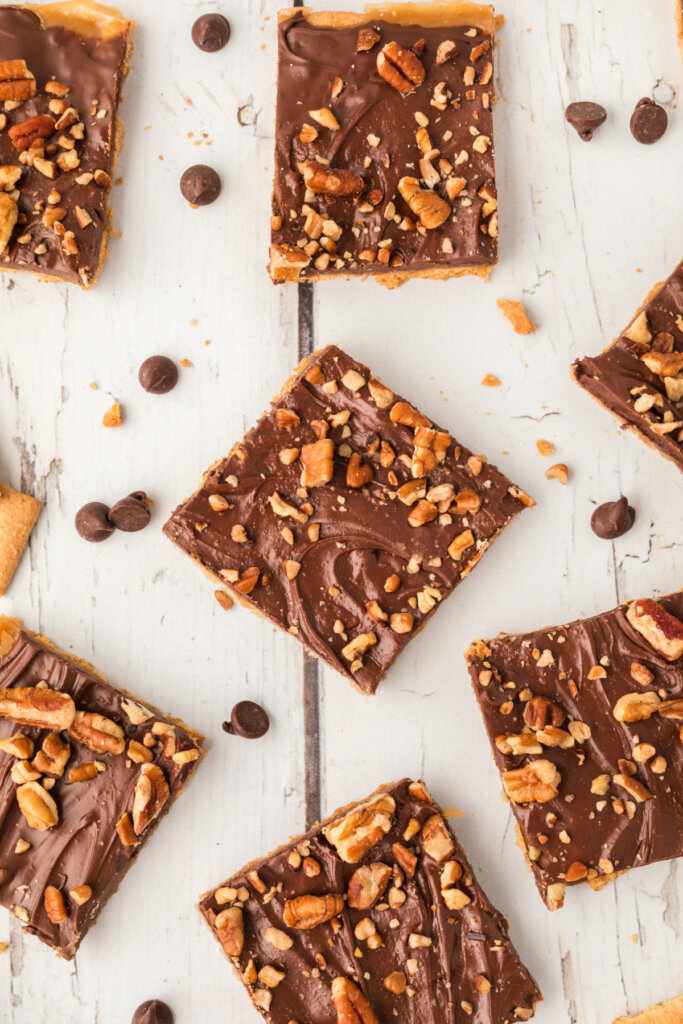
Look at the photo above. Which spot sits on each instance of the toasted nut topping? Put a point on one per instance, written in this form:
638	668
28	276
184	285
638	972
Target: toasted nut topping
23	134
307	912
124	829
436	840
81	894
318	463
37	706
636	707
432	210
401	622
362	828
395	982
37	806
351	1005
633	787
663	631
367	885
83	772
9	214
137	713
279	939
326	118
537	782
229	925
54	905
392	583
402	69
53	756
558	472
151	793
358	473
367	39
671	708
18	746
97	732
555	896
359	645
16	81
459	545
22	845
332	181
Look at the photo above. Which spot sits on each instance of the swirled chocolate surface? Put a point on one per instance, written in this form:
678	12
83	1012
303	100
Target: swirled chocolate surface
646	401
403	950
92	68
595	826
376	139
83	848
343	542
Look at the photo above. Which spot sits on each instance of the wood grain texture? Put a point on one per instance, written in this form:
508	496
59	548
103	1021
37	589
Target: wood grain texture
578	223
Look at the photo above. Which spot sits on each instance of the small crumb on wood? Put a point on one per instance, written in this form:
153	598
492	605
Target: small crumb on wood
185	362
514	312
4	946
224	600
453	812
93	385
490	381
558	472
113	416
545	447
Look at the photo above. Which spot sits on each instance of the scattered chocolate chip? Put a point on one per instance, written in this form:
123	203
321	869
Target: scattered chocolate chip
131	513
613	519
92	522
648	121
585	117
248	719
152	1012
211	32
158	375
200	185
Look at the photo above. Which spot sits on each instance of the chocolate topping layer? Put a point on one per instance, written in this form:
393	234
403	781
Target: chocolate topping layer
639	377
83	848
345	516
63	218
379	909
335	106
584	722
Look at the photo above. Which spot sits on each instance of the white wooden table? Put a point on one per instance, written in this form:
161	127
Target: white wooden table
585	231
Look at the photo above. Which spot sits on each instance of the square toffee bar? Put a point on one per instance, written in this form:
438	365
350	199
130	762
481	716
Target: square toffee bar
345	516
586	727
374	915
384	157
61	69
639	378
86	773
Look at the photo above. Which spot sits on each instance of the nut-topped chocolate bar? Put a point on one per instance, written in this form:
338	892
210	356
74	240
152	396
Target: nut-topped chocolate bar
639	378
586	726
61	69
86	772
384	160
345	516
374	915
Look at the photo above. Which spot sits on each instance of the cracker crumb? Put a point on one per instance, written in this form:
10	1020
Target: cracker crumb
185	362
490	381
558	472
514	311
113	416
545	447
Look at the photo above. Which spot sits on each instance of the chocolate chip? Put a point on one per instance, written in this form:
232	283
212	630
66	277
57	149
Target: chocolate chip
152	1012
248	719
200	185
92	522
158	375
211	32
131	513
613	519
648	121
585	117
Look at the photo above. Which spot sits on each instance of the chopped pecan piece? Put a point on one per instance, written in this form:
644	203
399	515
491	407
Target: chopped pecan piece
331	181
305	912
432	210
98	733
367	885
287	262
664	364
663	631
351	1005
358	473
435	838
636	707
537	782
229	925
9	214
38	706
25	132
151	793
402	69
52	758
362	828
318	462
540	712
16	81
37	806
367	39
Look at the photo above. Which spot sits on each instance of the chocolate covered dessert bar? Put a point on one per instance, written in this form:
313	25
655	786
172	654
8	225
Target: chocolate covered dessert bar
86	773
586	724
639	378
345	516
374	915
61	69
662	1013
18	515
384	156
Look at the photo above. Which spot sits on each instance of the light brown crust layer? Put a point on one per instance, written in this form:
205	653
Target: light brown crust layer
661	1013
434	14
18	515
679	22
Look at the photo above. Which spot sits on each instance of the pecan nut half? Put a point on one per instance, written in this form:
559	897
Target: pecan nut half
331	181
305	912
351	1005
16	81
367	885
35	705
39	127
537	782
362	828
53	756
97	732
229	925
151	793
432	210
663	631
9	213
402	69
37	806
53	902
